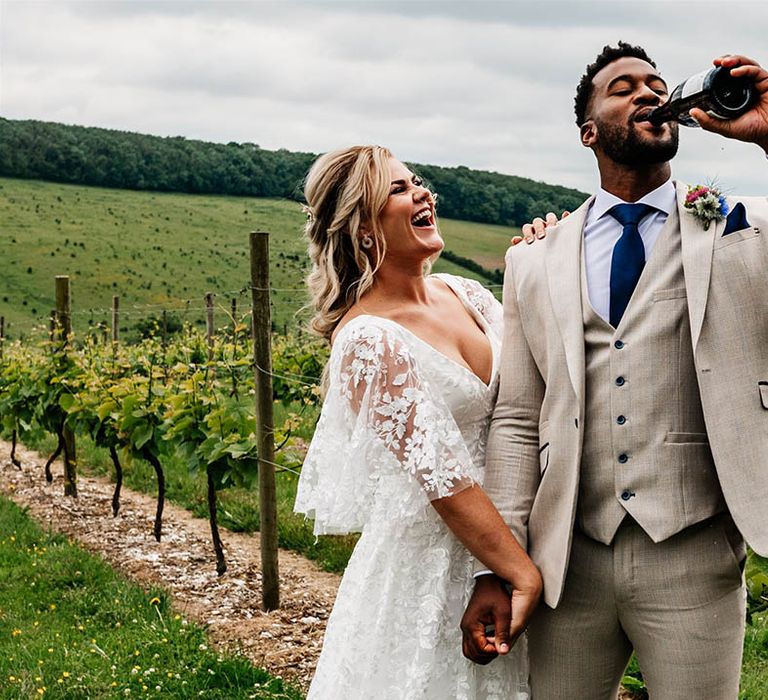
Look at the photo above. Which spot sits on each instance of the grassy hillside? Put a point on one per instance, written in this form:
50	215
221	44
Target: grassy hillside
162	251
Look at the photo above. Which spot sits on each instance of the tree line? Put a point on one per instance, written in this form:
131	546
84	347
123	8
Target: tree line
55	152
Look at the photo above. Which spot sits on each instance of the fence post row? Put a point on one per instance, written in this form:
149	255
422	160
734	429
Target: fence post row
64	323
262	355
60	332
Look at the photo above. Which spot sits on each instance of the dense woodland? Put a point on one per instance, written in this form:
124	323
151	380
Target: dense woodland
107	158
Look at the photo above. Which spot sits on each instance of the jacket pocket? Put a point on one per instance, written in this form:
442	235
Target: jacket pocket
666	294
687	438
744	234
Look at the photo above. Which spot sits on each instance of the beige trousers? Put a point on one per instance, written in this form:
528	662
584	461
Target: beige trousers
680	604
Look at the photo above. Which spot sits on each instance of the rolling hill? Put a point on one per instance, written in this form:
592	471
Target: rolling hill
164	251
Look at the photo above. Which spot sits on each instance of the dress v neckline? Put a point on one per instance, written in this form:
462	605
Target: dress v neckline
476	316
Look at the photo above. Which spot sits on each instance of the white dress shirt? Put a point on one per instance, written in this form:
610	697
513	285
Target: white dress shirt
601	231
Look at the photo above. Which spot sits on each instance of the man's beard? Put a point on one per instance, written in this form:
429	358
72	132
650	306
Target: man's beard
623	145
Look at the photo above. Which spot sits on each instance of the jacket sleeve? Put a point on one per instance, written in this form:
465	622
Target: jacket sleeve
512	459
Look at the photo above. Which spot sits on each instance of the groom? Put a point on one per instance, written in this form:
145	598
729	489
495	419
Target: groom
629	446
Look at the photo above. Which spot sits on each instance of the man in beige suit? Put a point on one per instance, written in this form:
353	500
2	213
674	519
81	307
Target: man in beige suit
629	446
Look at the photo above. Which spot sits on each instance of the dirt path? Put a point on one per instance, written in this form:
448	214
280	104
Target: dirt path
285	642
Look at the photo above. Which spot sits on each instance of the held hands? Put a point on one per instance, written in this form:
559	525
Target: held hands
752	126
538	228
492	606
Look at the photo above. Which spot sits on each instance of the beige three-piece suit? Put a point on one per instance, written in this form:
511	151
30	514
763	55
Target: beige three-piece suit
628	460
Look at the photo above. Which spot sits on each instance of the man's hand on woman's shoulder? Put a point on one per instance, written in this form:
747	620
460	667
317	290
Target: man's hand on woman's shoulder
538	228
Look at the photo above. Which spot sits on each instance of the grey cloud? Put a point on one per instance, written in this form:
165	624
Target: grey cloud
484	84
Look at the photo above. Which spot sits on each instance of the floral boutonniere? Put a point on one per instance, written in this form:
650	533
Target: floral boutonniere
706	203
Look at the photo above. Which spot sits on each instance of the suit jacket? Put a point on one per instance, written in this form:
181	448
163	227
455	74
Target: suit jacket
543	378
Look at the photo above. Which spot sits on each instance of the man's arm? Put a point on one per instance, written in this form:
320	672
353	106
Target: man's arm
752	126
512	455
512	469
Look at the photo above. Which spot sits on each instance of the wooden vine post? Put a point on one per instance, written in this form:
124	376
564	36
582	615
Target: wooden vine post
64	322
115	318
262	357
234	324
2	336
209	323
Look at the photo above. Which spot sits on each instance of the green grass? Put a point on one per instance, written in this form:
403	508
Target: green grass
754	672
486	244
165	250
71	628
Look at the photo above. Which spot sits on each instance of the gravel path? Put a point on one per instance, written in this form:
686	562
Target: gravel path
286	642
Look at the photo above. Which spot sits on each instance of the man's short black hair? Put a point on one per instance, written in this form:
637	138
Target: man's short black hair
609	54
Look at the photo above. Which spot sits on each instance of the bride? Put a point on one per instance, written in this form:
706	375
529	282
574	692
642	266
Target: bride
398	451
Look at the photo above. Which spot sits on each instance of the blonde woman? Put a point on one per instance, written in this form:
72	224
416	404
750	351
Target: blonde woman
399	448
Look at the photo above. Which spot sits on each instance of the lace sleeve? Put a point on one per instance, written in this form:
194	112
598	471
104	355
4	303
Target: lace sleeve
381	415
381	381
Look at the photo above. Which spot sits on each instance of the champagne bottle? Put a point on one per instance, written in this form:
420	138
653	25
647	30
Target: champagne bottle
714	90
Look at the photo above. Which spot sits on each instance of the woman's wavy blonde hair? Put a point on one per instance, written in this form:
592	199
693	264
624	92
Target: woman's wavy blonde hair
346	191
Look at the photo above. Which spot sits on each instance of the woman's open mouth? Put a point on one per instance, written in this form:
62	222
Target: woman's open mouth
423	219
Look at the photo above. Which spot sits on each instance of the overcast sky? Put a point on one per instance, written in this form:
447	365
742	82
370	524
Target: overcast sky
484	84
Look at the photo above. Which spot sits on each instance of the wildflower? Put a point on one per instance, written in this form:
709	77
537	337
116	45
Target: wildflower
155	601
16	632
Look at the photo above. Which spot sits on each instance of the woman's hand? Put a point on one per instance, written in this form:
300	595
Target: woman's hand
538	228
492	606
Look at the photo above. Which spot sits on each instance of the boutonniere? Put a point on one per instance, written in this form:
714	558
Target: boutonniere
706	203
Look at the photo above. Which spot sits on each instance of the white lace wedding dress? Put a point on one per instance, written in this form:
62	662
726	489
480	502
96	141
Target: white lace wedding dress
401	425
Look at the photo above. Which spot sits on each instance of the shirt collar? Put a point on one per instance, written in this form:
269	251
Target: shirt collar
663	198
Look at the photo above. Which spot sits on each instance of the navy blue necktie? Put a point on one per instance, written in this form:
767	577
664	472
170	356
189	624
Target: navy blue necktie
628	257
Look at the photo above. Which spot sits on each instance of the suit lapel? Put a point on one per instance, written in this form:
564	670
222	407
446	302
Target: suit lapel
697	245
563	262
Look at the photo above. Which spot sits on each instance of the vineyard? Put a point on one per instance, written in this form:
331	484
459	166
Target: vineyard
169	406
191	398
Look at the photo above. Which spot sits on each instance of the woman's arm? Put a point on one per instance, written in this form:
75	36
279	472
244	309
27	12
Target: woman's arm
473	518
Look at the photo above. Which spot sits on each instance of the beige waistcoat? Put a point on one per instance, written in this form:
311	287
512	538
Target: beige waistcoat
645	448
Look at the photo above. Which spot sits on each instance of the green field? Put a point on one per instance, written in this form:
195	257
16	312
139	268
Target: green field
163	252
71	628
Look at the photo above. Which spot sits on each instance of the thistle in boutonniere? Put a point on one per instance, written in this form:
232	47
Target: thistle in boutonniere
706	203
